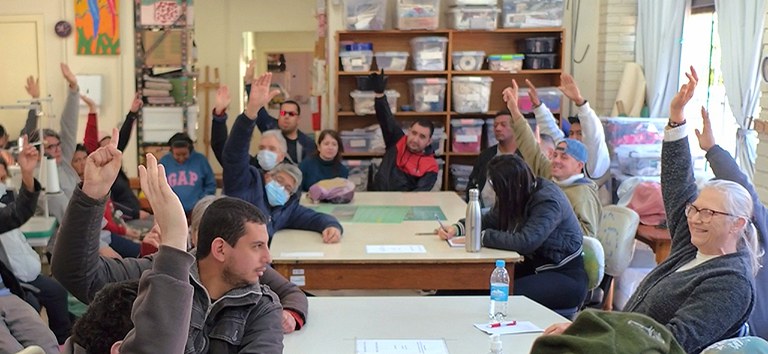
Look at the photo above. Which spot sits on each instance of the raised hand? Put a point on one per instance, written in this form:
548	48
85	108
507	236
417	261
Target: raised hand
223	99
683	97
33	86
91	104
101	168
169	213
378	81
137	102
27	159
248	77
260	95
533	94
68	75
511	97
705	135
569	88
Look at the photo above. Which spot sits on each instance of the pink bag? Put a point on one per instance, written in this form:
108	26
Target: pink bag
648	203
337	191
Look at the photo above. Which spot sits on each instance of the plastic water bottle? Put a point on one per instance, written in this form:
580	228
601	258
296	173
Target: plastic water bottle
499	292
496	345
473	222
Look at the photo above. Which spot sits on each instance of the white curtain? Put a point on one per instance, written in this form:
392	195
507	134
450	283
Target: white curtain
740	26
657	49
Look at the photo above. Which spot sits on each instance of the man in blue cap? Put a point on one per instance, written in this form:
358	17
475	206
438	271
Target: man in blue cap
566	168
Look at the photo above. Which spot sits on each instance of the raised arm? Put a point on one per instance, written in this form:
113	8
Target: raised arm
91	138
130	118
238	174
219	122
678	185
69	117
77	264
33	89
19	211
545	120
526	141
391	131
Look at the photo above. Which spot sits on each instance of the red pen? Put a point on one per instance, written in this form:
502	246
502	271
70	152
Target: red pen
499	324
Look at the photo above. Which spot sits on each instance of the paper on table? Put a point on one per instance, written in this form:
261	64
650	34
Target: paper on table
301	254
395	249
518	328
457	241
401	346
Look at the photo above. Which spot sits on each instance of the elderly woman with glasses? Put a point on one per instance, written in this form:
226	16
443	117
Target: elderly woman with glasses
704	291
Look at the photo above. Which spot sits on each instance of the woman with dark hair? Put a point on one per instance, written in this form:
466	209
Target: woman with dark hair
533	217
326	162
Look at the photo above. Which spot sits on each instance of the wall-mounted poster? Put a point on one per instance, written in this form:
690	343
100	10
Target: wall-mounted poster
97	27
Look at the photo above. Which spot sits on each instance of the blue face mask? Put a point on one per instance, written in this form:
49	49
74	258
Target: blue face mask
276	194
267	159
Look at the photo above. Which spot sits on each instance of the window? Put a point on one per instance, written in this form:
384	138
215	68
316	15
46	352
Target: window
701	49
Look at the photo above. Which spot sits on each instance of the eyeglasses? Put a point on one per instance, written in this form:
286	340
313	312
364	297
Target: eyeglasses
281	180
289	113
705	215
53	146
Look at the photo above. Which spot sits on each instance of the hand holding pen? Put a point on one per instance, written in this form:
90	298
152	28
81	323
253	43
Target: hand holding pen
445	232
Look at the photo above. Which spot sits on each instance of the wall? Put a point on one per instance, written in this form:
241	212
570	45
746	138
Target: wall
616	48
116	71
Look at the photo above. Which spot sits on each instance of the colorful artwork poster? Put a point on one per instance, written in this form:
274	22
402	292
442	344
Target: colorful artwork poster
97	27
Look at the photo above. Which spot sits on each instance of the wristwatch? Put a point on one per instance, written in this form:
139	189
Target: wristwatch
675	124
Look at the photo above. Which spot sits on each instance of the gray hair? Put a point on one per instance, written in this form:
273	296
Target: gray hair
291	170
197	213
738	202
277	134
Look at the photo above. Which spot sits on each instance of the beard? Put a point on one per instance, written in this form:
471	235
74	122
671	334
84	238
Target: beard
234	279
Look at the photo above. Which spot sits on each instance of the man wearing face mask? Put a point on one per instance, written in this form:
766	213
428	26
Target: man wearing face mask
409	163
274	192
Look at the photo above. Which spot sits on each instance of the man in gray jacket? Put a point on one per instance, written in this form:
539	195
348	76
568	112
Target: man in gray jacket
231	311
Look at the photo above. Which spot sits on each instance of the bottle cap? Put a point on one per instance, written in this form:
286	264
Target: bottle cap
500	263
473	193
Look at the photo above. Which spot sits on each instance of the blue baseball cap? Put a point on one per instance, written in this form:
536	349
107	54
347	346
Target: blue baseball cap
575	148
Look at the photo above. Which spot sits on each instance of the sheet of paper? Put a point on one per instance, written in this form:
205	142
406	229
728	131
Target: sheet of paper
395	249
301	254
457	241
508	327
401	346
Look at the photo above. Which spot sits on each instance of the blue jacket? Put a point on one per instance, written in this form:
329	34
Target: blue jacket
550	235
241	180
316	169
192	180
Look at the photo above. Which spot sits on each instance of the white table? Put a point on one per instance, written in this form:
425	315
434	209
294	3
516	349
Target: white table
38	230
335	322
303	258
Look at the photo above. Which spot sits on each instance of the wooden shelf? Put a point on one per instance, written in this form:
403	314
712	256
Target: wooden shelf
505	40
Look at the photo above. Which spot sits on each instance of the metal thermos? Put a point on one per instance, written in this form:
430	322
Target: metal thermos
472	222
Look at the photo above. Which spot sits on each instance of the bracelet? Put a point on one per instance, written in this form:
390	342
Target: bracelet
675	124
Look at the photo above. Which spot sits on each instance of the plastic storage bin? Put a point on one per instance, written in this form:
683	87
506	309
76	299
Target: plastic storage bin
363	101
472	2
537	45
506	62
429	53
428	95
460	176
473	18
468	61
391	61
490	138
540	61
438	141
356	60
640	160
418	14
550	96
632	131
466	135
358	173
356	140
471	94
532	13
366	14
